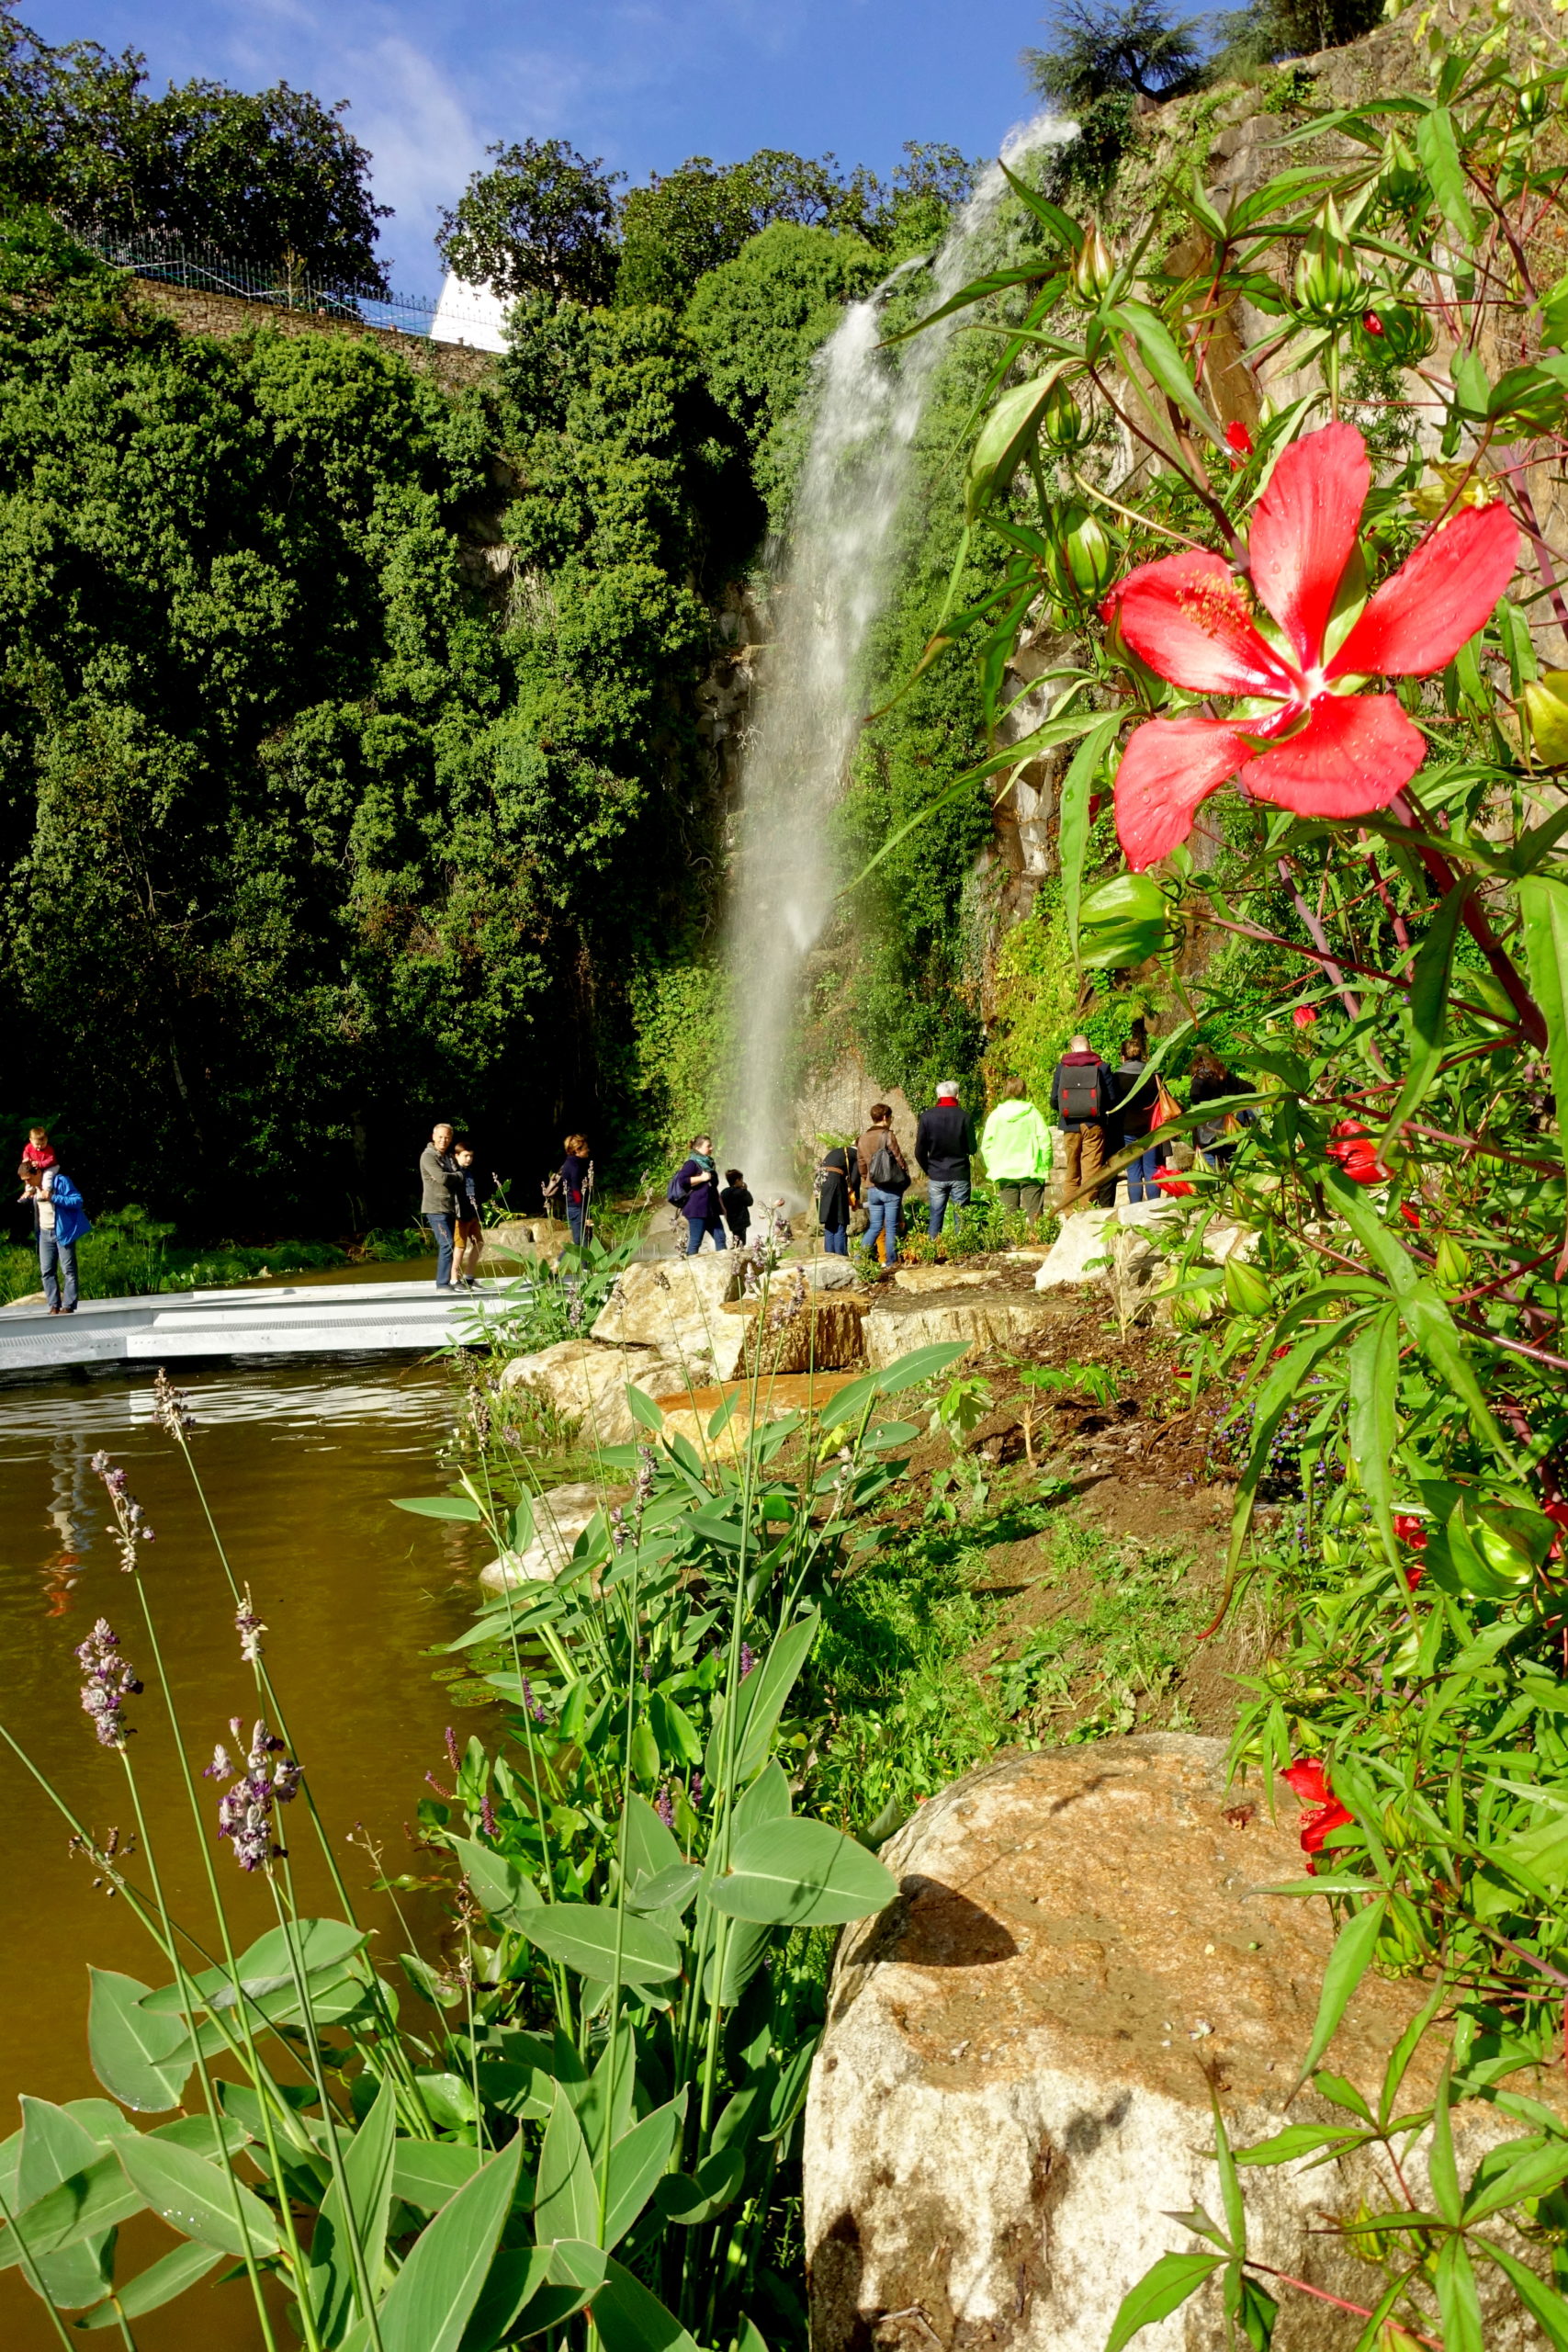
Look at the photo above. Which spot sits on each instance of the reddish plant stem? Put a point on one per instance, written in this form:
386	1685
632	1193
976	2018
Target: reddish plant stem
1395	918
1319	938
1544	564
1357	2311
1442	877
1512	1347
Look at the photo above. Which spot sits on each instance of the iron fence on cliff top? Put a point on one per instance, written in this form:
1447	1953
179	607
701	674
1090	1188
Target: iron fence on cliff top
204	270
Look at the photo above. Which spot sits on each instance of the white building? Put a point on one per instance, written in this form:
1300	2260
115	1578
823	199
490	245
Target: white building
470	314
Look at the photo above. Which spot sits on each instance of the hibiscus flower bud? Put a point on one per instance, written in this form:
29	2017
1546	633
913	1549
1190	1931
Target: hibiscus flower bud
1062	421
1372	323
1401	182
1327	283
1247	1292
1094	271
1080	555
1545	704
1303	1017
1533	102
1407	334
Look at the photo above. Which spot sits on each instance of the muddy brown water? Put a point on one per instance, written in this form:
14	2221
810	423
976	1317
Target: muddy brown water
299	1463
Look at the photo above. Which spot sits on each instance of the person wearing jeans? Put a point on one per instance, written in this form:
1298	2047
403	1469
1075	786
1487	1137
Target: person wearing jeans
1016	1146
1135	1114
60	1225
438	1201
882	1200
945	1143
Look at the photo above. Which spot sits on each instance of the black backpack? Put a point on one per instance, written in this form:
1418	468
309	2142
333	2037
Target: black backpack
885	1174
1078	1096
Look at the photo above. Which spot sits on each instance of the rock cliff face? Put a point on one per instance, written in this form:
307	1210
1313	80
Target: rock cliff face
1012	2097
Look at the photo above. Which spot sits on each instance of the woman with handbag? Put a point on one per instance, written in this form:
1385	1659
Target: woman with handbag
885	1174
1137	1112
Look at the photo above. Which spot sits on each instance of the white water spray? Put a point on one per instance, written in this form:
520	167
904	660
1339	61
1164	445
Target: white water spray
833	583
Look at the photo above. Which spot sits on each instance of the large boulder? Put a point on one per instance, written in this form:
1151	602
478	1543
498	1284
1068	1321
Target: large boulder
675	1304
560	1514
523	1240
1080	1251
587	1384
974	1322
1011	2097
922	1280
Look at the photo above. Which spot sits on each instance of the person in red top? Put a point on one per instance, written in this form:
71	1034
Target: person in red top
37	1152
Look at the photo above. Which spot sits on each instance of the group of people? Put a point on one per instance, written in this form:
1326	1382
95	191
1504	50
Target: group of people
1102	1110
451	1200
60	1221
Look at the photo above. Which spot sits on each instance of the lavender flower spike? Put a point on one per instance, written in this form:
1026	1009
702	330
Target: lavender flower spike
170	1409
110	1681
130	1520
249	1627
245	1811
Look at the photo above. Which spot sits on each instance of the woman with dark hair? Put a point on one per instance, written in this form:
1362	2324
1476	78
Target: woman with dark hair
696	1191
1211	1080
1134	1115
576	1183
833	1199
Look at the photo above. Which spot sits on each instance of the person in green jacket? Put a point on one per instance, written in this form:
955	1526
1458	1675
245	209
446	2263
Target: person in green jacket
1015	1144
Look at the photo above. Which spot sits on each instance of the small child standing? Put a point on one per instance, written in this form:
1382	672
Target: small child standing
470	1223
736	1202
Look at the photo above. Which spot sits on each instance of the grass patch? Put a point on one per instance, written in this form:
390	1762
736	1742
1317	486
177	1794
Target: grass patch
1120	1619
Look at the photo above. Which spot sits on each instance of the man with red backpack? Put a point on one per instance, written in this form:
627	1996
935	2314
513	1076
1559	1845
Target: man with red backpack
1082	1090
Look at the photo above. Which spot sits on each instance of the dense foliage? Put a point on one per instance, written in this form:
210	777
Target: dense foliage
1402	917
275	178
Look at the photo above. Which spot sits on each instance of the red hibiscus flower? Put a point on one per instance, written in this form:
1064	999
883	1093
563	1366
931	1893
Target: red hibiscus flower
1303	1017
1238	439
1170	1183
1302	737
1311	1783
1410	1529
1353	1148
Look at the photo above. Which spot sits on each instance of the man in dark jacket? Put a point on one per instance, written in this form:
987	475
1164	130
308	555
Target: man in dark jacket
440	1202
1082	1090
945	1139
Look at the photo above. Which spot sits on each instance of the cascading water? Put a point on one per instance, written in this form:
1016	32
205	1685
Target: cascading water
833	581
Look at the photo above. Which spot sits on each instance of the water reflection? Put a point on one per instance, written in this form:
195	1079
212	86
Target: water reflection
300	1464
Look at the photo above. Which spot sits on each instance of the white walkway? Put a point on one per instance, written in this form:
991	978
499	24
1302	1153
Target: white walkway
313	1319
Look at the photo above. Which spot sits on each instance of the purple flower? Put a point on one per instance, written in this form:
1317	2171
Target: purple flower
487	1816
695	1788
664	1805
110	1681
130	1520
246	1812
249	1627
748	1660
170	1409
451	1738
534	1706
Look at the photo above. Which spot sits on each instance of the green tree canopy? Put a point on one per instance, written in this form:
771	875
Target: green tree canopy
271	179
699	216
541	221
1106	49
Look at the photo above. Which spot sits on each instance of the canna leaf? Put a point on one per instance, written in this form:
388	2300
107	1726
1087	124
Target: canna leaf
585	1935
131	2052
637	2162
196	2199
427	2306
801	1873
565	2199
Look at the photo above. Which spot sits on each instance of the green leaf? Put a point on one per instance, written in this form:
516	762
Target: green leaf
1348	1964
565	2197
367	2170
131	2051
1441	2167
1373	1382
1428	1008
635	2164
801	1873
757	1706
920	1364
89	2202
1543	904
438	1506
57	2147
320	1945
152	2287
1158	352
1073	818
643	1410
583	1936
1542	2302
195	2199
497	1885
650	1847
1438	150
1123	923
427	2305
1458	2306
1007	437
425	2172
631	2320
1159	2292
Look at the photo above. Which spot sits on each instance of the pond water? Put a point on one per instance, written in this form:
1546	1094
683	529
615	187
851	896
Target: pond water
299	1464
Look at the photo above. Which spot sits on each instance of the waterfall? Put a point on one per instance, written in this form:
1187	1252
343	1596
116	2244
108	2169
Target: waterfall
831	583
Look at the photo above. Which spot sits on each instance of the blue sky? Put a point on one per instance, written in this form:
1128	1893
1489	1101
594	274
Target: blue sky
643	83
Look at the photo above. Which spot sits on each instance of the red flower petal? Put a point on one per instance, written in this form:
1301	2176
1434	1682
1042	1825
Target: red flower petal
1169	766
1303	531
1187	617
1410	1529
1353	754
1237	438
1316	1826
1310	1781
1437	600
1303	1017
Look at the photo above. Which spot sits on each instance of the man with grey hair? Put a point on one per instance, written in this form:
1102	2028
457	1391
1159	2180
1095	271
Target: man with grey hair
438	1197
944	1141
1081	1093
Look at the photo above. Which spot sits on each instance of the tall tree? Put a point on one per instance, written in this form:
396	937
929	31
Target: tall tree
1107	49
270	179
691	220
541	221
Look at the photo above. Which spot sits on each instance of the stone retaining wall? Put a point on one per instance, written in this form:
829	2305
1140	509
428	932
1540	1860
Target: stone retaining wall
454	365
